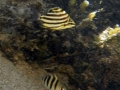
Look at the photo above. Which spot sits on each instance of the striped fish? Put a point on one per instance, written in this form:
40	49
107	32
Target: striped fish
52	83
56	19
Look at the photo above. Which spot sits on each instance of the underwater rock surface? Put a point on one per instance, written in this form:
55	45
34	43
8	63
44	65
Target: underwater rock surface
73	54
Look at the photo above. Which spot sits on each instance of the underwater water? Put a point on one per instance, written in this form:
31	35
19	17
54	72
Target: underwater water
67	44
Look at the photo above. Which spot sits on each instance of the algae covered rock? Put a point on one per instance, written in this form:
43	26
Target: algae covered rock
71	53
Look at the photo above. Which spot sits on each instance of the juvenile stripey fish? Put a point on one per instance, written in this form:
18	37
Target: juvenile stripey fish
52	83
56	19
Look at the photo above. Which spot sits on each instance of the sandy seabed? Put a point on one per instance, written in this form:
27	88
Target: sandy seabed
19	77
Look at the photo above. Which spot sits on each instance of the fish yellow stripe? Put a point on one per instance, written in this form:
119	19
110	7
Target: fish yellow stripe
54	17
52	83
55	83
49	82
53	25
54	21
59	13
46	80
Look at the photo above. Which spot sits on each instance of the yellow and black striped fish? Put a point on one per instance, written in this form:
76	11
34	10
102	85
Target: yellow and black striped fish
52	83
56	19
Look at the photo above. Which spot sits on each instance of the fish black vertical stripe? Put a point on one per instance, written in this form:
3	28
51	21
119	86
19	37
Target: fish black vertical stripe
56	83
53	80
52	83
45	79
48	80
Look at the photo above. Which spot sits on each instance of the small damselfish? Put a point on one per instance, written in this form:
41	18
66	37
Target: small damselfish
56	19
52	83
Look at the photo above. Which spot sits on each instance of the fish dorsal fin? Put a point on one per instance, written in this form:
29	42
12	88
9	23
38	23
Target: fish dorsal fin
55	10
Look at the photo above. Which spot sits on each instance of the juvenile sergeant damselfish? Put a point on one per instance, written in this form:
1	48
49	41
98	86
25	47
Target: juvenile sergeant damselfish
52	83
56	19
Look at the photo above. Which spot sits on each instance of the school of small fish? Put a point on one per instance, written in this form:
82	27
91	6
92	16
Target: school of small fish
52	83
